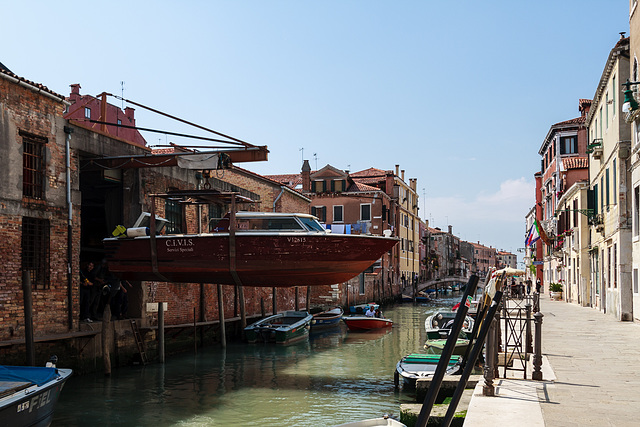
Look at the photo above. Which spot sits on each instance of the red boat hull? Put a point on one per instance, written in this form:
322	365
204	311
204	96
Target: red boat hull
261	259
364	323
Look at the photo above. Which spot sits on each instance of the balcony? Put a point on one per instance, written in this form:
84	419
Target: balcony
595	148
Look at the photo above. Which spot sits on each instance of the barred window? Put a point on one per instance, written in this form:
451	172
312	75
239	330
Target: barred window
33	165
35	251
173	214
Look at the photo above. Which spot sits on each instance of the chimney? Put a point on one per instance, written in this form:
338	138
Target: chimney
128	112
450	229
306	176
397	169
402	173
75	89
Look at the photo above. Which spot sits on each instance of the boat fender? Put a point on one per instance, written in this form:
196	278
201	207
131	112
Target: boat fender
137	232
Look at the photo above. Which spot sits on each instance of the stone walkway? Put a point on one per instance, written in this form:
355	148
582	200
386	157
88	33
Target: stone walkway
590	371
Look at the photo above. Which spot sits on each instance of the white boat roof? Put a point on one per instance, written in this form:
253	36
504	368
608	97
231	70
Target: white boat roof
245	214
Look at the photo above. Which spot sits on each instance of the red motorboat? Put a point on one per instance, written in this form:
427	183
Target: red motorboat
365	323
263	249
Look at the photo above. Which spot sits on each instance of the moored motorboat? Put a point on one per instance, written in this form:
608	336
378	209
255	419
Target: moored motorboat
437	345
281	328
254	249
327	318
28	394
366	323
362	308
374	422
439	324
418	365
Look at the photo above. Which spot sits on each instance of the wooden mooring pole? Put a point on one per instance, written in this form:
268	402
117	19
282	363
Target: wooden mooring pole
28	317
223	334
161	331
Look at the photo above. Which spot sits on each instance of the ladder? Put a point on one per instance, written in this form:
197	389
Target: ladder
139	342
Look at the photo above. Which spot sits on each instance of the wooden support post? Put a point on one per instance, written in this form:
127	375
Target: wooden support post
274	300
106	337
195	332
161	331
28	317
297	305
223	334
308	298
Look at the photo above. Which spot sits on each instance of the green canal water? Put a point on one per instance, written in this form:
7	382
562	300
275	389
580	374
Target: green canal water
336	376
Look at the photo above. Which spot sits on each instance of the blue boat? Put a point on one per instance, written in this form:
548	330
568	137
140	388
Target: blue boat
28	394
362	308
327	319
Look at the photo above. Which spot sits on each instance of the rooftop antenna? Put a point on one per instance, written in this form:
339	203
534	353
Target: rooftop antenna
315	156
302	151
122	92
424	199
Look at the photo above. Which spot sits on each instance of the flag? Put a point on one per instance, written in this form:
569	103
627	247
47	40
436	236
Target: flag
455	307
533	235
537	232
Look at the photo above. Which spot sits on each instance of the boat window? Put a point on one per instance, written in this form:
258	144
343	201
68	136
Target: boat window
283	224
311	224
269	224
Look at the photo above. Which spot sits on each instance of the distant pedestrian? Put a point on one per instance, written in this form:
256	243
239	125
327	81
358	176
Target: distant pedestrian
528	286
538	286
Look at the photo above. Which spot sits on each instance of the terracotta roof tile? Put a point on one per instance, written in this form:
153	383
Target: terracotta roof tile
371	172
6	71
290	180
359	186
576	121
575	162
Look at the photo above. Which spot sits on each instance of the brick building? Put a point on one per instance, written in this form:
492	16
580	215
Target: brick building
65	188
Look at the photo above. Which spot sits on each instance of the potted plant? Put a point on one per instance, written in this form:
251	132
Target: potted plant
555	291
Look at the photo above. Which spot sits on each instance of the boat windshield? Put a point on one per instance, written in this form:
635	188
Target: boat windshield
311	224
269	224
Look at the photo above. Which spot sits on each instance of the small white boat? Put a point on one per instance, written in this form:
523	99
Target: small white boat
374	422
439	325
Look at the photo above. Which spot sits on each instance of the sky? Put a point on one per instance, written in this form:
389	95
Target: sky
459	94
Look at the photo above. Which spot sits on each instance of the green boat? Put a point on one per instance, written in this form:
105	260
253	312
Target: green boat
281	328
437	345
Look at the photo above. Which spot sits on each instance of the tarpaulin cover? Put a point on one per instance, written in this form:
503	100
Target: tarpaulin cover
34	374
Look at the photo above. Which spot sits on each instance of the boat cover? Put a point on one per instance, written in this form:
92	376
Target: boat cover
38	375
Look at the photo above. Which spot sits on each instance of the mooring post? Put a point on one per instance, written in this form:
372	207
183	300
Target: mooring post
308	298
489	368
161	331
195	332
297	304
274	300
529	336
537	357
536	302
223	332
28	317
106	337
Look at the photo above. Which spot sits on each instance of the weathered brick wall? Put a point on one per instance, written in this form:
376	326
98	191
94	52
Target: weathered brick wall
22	109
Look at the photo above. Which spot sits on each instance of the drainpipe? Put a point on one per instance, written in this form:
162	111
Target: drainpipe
69	131
278	198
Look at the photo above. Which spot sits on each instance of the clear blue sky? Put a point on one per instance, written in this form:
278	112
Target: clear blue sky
459	94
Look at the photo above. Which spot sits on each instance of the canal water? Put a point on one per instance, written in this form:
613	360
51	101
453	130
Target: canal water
335	377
